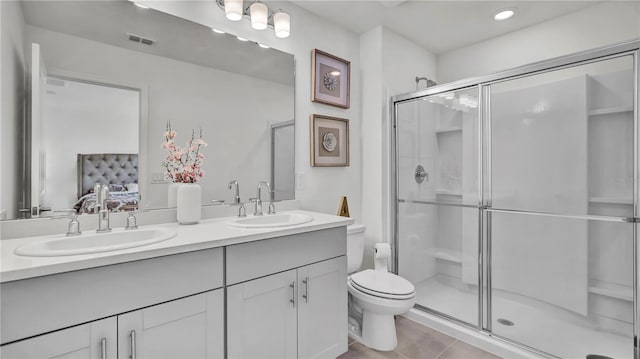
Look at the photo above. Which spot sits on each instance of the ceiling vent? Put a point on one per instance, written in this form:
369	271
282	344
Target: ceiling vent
140	39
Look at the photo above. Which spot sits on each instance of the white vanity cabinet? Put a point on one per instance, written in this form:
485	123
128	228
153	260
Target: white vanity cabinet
262	318
275	297
322	309
185	328
298	312
95	340
175	305
191	327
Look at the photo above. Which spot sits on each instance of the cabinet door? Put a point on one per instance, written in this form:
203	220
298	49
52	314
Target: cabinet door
322	313
261	317
191	327
82	341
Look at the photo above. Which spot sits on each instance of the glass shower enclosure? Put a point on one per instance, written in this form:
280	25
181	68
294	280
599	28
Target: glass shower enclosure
516	203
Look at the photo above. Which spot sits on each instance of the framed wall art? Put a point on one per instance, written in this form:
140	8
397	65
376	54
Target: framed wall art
330	79
329	141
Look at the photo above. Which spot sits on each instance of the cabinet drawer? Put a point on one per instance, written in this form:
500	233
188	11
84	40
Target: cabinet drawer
247	261
39	305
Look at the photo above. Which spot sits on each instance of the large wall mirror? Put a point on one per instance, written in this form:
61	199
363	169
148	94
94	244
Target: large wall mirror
90	86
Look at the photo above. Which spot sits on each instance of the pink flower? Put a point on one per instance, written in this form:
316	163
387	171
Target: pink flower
183	164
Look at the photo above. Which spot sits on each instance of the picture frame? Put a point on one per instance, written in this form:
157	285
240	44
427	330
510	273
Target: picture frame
330	79
329	141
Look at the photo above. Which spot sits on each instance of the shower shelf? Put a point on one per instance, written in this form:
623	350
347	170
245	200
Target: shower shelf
611	200
448	129
447	255
622	292
448	192
610	110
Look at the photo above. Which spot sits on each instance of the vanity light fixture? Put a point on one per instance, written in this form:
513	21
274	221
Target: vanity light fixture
140	5
233	9
217	31
242	38
264	46
281	24
503	14
258	13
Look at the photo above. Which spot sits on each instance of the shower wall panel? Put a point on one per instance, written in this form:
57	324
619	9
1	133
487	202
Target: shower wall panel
539	164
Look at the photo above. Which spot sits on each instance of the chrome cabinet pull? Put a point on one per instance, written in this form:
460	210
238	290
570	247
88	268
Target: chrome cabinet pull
103	344
293	293
306	290
132	335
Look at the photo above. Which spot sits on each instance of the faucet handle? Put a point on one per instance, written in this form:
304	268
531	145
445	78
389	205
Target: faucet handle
242	212
131	221
74	226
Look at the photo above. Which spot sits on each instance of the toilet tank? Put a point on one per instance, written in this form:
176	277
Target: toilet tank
355	247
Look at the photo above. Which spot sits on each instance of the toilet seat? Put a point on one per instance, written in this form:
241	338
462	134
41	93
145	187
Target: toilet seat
382	284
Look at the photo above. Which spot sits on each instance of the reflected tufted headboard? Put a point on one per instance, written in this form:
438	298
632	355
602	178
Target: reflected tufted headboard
106	168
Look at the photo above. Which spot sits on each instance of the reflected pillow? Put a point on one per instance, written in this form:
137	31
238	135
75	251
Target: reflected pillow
132	187
117	187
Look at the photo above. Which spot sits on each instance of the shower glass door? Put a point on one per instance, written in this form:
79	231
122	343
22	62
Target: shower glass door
438	207
561	202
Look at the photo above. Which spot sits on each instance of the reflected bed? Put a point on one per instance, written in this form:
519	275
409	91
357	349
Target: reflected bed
118	170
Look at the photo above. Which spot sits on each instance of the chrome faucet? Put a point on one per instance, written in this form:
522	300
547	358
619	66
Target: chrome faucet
258	210
102	195
242	212
236	199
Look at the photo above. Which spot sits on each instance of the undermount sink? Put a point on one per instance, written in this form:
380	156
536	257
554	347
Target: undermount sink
271	220
95	242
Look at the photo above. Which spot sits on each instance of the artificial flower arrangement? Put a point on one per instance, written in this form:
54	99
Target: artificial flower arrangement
184	165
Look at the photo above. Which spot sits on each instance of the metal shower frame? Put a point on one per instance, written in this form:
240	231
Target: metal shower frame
484	205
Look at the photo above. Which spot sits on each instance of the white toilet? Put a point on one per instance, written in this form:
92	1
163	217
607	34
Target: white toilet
375	295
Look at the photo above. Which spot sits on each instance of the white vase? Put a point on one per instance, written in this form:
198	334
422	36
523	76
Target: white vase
172	194
189	203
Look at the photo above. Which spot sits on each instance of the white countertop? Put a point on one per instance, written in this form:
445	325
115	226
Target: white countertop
210	233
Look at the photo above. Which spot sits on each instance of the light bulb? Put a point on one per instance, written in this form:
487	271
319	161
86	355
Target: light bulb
282	24
233	9
259	14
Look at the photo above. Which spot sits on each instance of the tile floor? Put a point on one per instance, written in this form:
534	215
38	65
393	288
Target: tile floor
416	341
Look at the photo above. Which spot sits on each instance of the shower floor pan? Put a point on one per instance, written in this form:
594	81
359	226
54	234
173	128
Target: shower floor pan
551	331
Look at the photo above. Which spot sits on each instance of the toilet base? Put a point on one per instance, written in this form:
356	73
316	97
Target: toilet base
379	331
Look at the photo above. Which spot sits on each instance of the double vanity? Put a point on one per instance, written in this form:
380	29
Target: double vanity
272	286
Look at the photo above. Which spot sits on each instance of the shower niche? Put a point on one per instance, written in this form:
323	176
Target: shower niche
553	149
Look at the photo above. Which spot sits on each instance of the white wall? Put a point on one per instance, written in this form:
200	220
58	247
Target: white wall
389	67
596	26
317	189
190	98
12	72
72	116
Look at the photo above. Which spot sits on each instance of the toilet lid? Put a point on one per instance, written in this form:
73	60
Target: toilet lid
382	282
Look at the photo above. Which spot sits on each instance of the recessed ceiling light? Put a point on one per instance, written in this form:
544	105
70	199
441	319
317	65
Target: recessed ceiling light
241	38
217	31
503	15
140	5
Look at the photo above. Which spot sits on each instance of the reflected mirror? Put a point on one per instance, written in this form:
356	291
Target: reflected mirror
93	86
